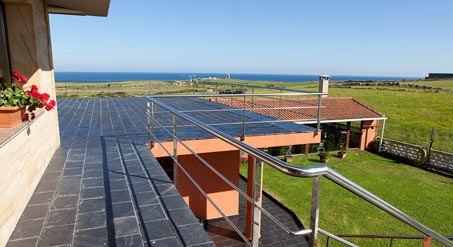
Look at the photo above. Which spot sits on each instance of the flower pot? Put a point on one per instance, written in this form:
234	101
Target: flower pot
341	155
10	116
324	160
288	158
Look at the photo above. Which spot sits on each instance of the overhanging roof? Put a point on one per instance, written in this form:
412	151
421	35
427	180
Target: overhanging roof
79	7
304	110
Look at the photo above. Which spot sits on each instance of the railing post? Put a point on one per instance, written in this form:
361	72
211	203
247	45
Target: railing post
253	98
427	241
175	152
244	121
257	198
314	216
280	106
319	112
148	116
152	124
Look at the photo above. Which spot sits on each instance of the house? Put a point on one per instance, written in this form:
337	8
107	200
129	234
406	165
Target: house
112	182
25	46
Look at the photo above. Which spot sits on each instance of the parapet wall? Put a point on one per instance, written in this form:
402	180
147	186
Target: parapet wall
23	161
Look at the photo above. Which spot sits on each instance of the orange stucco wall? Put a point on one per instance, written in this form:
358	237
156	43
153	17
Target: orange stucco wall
220	192
369	132
217	145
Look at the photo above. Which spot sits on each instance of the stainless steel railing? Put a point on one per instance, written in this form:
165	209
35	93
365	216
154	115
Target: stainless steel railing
315	172
232	185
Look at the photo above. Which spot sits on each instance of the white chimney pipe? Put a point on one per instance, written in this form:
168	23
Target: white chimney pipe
324	84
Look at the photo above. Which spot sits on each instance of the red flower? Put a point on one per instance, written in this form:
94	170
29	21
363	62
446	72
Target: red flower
44	97
17	75
25	117
24	79
33	115
50	105
21	79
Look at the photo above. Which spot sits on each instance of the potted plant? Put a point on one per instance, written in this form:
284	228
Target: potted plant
18	104
288	157
323	157
342	153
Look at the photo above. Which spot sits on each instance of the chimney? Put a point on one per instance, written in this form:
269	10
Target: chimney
324	84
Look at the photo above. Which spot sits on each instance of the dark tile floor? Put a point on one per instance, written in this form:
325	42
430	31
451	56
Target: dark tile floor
271	235
103	186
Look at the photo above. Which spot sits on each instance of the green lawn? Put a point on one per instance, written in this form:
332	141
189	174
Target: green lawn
425	196
411	115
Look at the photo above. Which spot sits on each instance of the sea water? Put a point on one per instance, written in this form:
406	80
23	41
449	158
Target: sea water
130	76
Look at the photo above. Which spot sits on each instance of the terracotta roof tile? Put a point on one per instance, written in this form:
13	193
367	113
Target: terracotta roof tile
305	110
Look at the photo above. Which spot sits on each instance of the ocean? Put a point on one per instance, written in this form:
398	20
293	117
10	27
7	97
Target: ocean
86	77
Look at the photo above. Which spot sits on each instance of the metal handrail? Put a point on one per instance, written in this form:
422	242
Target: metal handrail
255	86
232	185
336	237
313	171
236	95
381	236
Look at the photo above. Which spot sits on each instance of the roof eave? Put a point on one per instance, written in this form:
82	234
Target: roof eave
79	7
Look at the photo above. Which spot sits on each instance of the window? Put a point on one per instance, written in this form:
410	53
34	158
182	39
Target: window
4	59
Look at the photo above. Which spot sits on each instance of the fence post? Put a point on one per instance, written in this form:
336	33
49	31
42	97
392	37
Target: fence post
430	145
314	215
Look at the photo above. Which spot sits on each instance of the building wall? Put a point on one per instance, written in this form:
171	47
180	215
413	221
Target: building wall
220	192
369	133
24	159
434	76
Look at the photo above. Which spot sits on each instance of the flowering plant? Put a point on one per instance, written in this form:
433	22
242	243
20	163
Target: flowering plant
16	95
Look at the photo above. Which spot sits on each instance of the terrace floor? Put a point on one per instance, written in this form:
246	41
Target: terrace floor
104	188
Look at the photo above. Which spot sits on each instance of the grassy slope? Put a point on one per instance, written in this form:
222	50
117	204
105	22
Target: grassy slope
423	195
411	115
118	89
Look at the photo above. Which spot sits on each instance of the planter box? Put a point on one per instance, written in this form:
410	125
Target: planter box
10	116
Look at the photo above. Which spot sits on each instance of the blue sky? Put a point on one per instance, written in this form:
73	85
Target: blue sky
351	37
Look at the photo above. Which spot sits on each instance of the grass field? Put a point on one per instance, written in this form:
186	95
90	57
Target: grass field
119	89
423	195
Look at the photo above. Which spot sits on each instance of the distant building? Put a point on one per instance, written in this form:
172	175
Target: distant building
228	76
437	76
